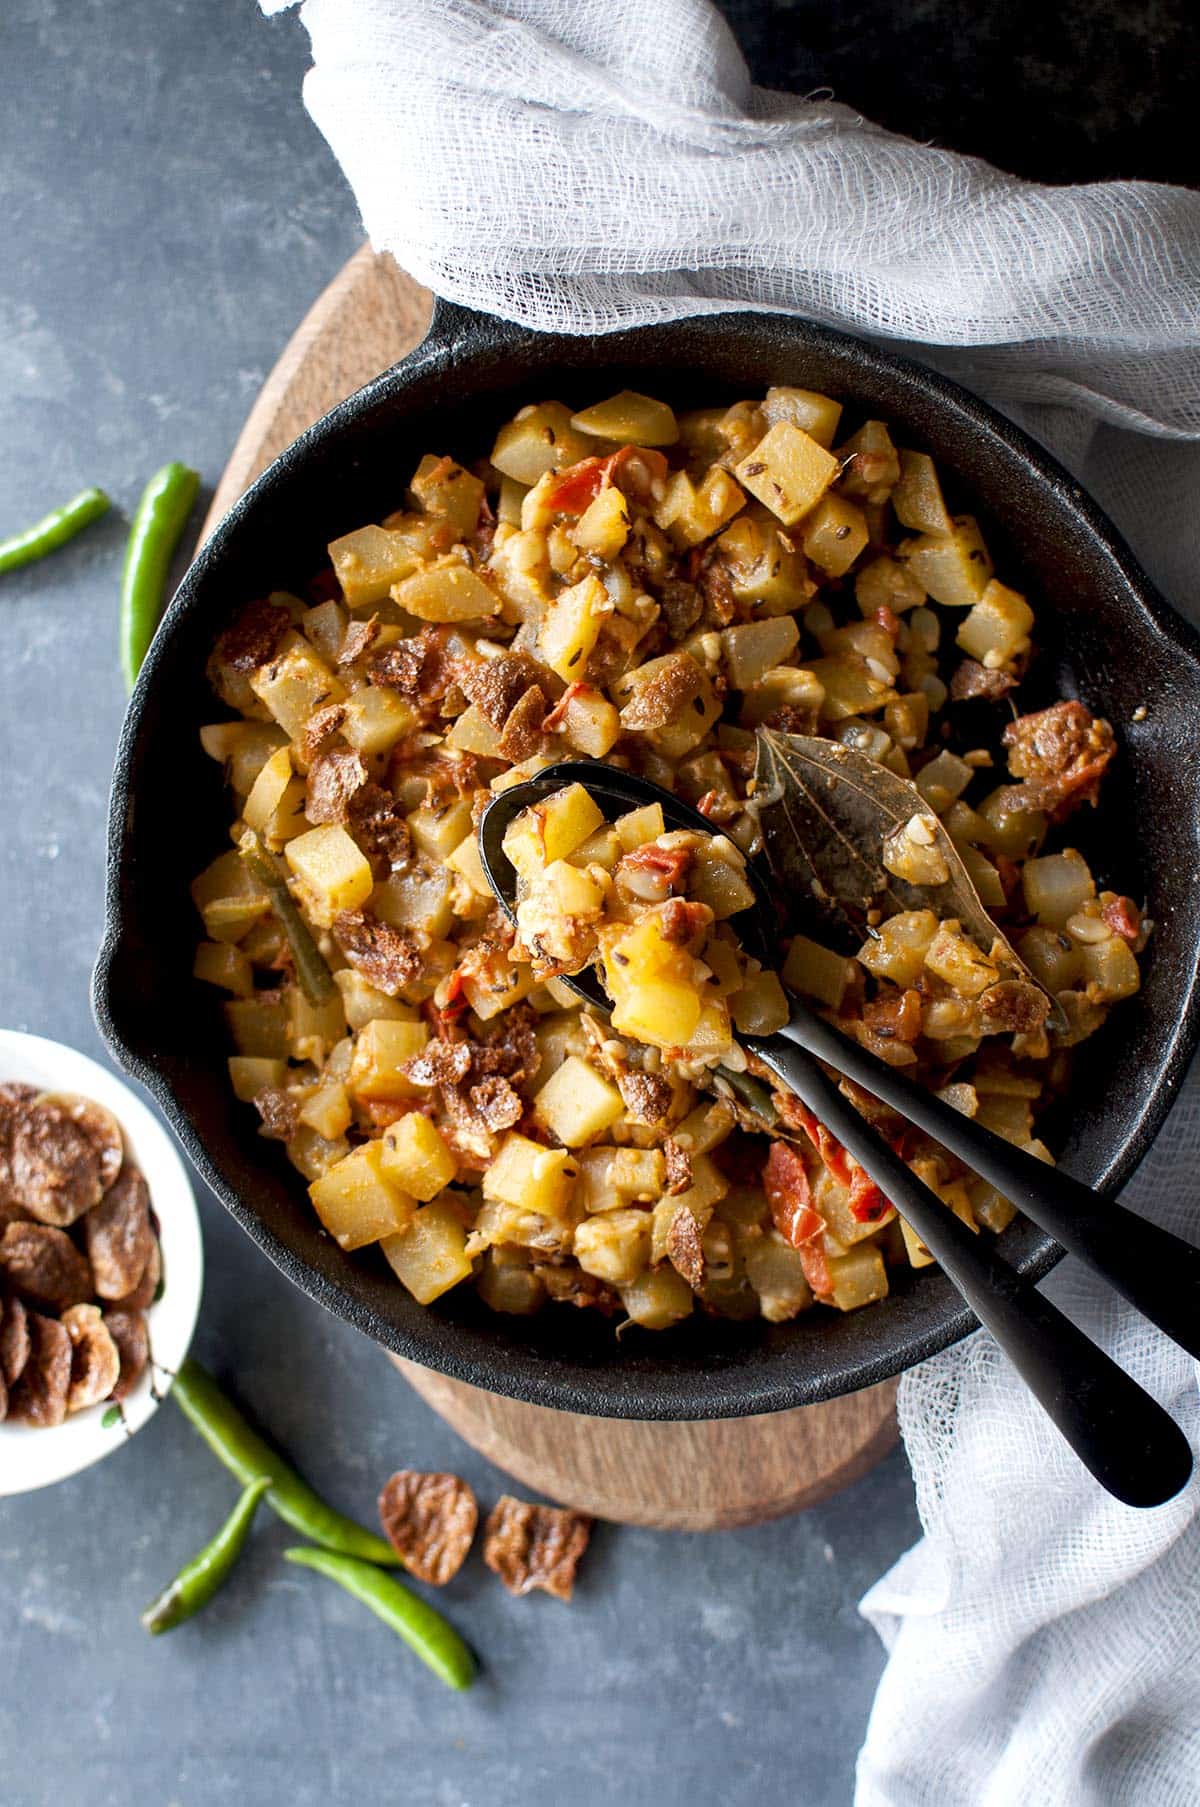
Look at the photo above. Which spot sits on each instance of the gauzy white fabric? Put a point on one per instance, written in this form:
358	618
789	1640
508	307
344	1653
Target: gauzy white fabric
580	165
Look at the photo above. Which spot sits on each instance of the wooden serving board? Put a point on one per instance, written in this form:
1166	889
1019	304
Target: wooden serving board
684	1477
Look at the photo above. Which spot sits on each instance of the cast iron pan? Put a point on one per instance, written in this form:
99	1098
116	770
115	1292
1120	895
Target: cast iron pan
1107	636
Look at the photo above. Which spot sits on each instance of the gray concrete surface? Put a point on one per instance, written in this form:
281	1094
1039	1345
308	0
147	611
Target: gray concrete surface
169	212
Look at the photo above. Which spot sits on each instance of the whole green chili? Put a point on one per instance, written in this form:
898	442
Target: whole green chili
54	529
421	1626
249	1456
209	1569
312	969
160	519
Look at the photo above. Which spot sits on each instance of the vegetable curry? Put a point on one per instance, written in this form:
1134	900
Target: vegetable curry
653	590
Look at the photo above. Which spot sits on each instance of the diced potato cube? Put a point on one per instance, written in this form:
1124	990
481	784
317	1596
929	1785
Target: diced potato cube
943	780
520	566
954	568
376	719
996	631
658	1298
639	826
849	686
784	686
550	830
381	1049
576	1104
267	791
713	1033
590	723
474	733
444	591
1051	956
858	1277
1057	886
540	438
690	512
775	1270
415	1157
507	1283
817	972
705	1127
497	984
652	984
984	876
332	867
442	487
250	1074
508	504
614	1245
220	963
815	414
721	884
629	419
369	561
295	684
917	497
1110	967
835	532
430	1255
313	1029
437	832
763	571
753	648
362	1003
760	1007
787	471
953	956
571	626
258	1026
638	1175
871	465
884	583
419	899
327	1110
1011	830
526	1174
250	751
897	950
467	861
603	527
357	1202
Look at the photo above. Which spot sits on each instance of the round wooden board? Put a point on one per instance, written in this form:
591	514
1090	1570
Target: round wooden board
683	1477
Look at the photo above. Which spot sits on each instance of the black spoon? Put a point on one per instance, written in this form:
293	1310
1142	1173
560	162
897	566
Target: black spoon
1126	1439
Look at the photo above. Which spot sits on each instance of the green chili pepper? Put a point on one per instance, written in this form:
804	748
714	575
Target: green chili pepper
249	1457
160	519
54	529
423	1628
312	969
208	1571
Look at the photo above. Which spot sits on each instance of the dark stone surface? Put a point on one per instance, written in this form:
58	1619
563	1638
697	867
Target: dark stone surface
1077	91
169	214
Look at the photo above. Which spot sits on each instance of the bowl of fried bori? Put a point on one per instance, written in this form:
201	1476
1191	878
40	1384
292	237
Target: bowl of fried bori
668	549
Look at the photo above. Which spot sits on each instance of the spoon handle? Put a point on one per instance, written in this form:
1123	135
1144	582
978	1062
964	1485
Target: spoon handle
1126	1439
1158	1273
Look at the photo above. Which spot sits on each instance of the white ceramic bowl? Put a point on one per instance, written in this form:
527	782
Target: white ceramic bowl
34	1458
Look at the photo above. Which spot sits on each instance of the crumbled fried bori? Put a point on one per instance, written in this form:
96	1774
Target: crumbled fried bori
535	1546
429	1520
388	957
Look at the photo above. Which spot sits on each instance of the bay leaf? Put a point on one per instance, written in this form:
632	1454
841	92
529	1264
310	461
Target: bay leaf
826	811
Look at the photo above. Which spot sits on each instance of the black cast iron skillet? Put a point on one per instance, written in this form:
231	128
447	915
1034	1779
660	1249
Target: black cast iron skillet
1107	636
